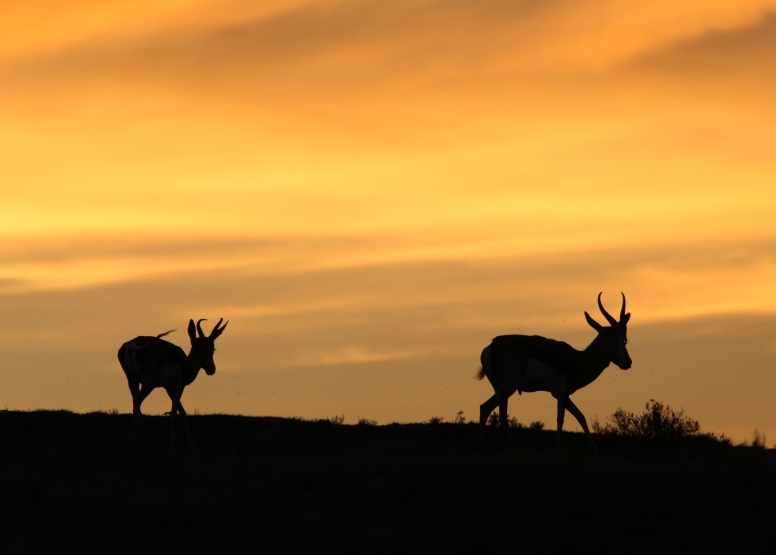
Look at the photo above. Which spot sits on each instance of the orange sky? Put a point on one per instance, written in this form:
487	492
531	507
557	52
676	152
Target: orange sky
371	191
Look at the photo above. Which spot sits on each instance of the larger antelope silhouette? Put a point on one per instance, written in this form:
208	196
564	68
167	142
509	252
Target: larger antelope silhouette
151	362
534	363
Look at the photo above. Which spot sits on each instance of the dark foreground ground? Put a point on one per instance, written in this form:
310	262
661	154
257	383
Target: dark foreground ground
83	483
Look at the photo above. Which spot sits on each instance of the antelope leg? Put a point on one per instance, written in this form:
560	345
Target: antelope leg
137	400
487	407
176	400
185	420
502	413
562	398
572	408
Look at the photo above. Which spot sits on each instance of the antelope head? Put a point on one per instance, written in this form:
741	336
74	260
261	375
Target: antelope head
614	337
203	346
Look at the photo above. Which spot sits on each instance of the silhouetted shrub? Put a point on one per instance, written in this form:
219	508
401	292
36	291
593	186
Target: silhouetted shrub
658	421
366	422
436	420
537	425
337	419
459	419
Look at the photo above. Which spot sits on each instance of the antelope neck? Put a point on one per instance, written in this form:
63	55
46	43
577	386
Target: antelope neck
190	373
595	359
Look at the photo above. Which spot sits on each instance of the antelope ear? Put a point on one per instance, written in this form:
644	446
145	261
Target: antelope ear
593	324
192	331
625	319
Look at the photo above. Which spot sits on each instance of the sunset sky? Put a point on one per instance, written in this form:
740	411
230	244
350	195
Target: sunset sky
370	191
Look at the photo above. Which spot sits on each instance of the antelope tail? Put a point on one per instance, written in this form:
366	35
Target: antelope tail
485	369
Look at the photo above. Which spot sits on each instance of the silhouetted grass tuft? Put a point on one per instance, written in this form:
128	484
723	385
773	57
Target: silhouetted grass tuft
493	420
366	422
758	439
338	419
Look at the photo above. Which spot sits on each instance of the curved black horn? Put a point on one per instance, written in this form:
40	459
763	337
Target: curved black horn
199	328
608	317
218	330
622	310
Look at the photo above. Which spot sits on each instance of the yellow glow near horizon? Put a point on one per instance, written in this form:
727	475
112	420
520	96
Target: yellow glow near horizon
598	144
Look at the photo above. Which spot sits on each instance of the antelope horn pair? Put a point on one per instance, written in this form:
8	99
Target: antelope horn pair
215	331
608	316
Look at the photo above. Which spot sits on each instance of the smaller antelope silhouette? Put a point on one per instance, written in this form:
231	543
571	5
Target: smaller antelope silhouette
534	363
151	362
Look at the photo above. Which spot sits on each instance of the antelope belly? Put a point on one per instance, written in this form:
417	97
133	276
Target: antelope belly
170	373
540	377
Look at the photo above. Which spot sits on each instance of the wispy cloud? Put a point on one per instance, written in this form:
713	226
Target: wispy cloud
735	51
365	117
353	355
382	39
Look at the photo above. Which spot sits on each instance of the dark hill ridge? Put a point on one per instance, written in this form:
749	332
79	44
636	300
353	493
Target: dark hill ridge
83	483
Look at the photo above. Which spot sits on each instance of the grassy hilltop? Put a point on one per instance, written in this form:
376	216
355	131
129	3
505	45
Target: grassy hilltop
84	483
